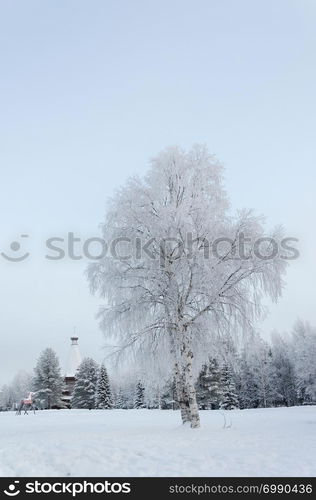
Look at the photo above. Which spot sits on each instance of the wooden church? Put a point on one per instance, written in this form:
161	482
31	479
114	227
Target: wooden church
74	361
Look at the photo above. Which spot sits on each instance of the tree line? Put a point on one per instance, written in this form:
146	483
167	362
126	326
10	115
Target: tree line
92	389
254	374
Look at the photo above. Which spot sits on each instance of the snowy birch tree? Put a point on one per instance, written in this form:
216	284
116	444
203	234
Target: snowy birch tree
264	373
285	380
7	397
180	266
304	355
22	384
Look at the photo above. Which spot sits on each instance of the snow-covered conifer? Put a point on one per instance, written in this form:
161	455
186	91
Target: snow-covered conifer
209	390
120	400
103	394
139	396
84	394
48	382
169	396
229	399
247	389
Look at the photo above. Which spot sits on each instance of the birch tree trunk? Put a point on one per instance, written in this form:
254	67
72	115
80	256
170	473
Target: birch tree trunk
190	387
184	378
182	394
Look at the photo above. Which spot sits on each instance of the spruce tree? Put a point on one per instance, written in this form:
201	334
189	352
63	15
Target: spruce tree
169	396
48	383
139	396
84	394
103	394
209	386
247	387
215	387
202	389
229	399
120	400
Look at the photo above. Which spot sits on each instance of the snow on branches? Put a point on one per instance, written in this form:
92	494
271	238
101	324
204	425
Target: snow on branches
180	265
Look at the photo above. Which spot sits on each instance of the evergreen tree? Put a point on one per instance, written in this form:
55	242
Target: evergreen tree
202	389
103	395
140	396
125	395
209	390
84	394
229	399
48	383
169	396
120	400
246	387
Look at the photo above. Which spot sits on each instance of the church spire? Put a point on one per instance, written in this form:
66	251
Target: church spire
74	359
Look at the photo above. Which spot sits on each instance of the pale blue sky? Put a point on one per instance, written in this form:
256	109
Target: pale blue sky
89	91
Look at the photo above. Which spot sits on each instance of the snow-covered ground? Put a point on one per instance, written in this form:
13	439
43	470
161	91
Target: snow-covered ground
263	442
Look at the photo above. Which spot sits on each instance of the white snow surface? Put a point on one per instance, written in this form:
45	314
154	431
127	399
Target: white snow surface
260	442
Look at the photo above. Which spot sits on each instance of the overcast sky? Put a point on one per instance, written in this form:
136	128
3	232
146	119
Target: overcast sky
90	90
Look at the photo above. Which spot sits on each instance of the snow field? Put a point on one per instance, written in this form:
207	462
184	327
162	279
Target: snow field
260	442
